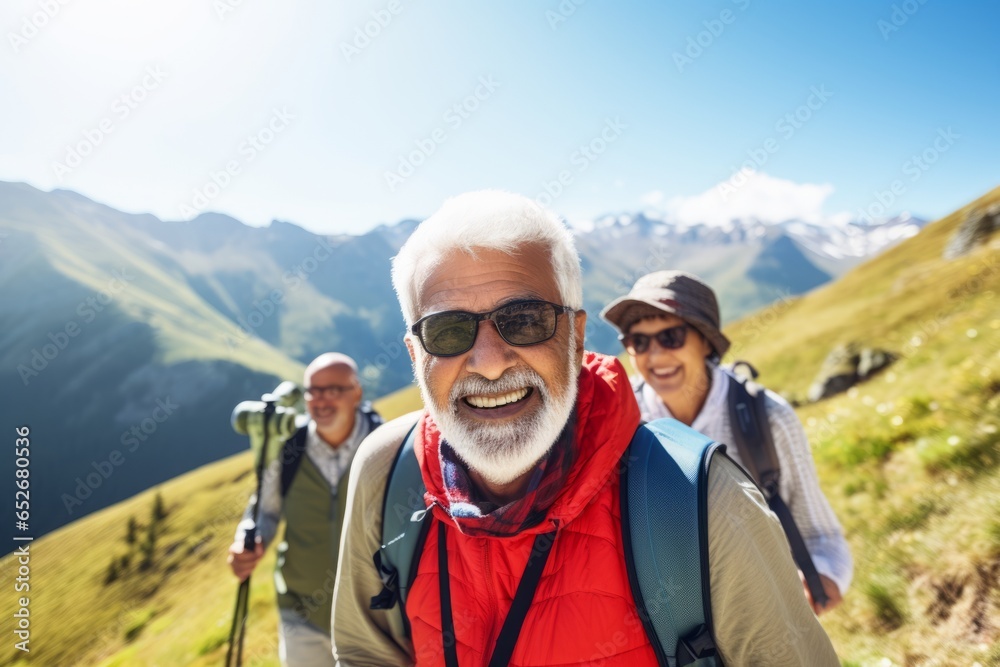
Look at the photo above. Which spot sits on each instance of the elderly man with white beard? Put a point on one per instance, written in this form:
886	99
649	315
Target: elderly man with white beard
519	449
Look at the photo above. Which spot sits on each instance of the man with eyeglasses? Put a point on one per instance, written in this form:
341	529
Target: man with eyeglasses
307	485
519	450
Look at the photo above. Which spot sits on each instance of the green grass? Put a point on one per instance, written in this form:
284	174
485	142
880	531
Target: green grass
886	595
908	460
178	612
137	623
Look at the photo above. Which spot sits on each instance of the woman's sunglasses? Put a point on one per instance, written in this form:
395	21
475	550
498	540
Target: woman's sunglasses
671	338
520	323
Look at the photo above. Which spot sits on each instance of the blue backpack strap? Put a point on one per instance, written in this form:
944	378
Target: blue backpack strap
664	497
405	521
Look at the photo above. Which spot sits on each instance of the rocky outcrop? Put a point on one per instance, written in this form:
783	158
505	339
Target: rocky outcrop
976	230
846	366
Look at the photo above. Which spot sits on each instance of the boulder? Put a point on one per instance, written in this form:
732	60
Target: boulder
846	366
976	230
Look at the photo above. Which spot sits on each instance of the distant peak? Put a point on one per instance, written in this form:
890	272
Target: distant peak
216	219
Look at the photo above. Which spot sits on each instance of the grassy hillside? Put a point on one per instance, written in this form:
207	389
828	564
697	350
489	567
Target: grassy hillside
908	459
98	327
174	610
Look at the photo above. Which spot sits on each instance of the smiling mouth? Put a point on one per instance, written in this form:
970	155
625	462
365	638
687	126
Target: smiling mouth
492	402
664	373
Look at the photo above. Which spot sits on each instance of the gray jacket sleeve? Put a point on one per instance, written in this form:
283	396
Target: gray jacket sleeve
759	613
269	513
364	637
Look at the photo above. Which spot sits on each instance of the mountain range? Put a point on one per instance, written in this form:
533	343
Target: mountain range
909	461
128	339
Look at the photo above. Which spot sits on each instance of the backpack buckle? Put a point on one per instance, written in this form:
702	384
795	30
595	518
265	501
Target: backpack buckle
770	483
696	646
386	599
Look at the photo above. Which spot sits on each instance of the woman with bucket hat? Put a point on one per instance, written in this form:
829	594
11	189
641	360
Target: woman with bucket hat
670	326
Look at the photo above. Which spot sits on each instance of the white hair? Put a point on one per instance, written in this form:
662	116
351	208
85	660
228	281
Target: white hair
485	220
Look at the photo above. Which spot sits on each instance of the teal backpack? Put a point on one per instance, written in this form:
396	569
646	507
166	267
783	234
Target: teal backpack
664	494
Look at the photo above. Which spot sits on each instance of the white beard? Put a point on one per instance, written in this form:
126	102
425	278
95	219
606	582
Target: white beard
503	452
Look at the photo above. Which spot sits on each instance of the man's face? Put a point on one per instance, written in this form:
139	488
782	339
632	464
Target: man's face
332	395
536	384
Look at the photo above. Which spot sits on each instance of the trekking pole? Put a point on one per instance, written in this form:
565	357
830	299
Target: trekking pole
238	629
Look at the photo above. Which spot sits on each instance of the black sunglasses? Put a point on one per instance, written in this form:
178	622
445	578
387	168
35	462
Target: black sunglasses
671	338
453	332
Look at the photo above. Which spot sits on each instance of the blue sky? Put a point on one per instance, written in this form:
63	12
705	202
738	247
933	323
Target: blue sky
672	99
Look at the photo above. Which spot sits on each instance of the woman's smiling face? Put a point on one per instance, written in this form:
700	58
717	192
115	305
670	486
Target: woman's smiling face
674	374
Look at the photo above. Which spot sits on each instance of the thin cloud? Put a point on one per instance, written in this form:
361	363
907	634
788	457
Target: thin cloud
750	195
653	199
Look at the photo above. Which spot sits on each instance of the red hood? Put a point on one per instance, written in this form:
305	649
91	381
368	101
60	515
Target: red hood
606	418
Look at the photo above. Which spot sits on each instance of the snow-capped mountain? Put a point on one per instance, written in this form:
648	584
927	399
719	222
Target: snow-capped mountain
847	242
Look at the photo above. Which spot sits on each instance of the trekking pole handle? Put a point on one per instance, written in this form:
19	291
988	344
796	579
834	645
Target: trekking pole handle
250	538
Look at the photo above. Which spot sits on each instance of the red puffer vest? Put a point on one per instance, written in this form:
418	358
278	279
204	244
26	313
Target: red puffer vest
583	611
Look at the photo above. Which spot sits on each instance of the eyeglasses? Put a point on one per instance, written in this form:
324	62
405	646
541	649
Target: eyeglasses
453	332
671	338
333	391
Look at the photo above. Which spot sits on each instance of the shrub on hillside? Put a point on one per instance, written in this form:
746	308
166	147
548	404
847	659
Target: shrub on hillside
886	596
131	531
159	509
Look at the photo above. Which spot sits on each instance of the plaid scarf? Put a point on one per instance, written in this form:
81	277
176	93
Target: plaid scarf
478	517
